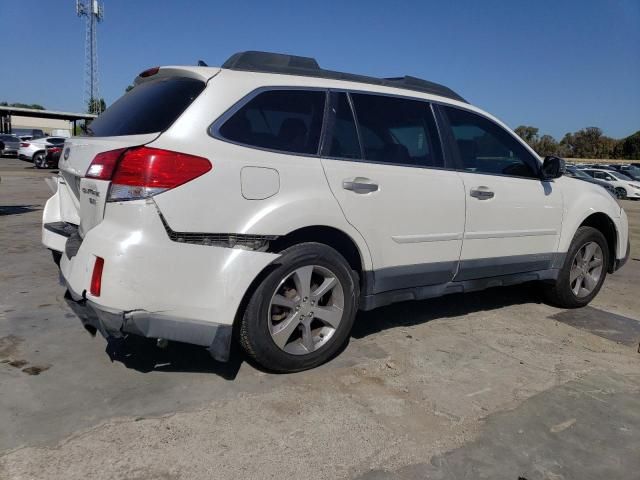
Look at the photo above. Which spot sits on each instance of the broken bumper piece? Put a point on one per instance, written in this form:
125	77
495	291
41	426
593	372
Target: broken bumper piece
215	337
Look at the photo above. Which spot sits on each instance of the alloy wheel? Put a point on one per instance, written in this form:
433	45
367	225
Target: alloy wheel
586	269
306	309
621	193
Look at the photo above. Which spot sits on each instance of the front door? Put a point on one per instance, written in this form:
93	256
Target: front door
513	218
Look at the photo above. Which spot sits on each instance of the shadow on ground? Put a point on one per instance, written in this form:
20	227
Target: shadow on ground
142	354
17	209
418	312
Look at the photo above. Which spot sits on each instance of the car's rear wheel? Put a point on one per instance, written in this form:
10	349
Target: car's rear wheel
39	160
302	311
583	271
621	193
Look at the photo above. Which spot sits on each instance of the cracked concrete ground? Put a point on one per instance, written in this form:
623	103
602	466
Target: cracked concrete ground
492	385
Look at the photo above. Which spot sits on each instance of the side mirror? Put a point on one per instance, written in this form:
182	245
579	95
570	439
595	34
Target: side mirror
553	167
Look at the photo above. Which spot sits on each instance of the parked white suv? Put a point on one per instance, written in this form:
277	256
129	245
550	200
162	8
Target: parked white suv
272	199
36	150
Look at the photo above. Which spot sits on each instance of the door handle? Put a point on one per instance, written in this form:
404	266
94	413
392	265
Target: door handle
481	193
360	185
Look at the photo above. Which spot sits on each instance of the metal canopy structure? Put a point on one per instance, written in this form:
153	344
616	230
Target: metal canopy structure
7	112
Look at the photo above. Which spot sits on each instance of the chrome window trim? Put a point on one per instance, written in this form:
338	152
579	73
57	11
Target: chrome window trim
213	129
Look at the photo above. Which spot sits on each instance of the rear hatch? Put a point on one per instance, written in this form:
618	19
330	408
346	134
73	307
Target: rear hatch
136	119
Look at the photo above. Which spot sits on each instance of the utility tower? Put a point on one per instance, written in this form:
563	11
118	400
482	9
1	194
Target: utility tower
93	11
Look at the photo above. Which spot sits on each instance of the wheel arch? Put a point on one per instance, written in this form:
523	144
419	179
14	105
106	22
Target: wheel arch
605	225
330	236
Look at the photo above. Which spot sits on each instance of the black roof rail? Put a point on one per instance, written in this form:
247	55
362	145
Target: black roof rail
266	62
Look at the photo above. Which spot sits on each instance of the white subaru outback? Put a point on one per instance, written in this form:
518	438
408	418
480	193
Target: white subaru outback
268	200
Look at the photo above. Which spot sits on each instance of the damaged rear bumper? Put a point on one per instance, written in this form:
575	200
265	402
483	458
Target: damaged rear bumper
115	324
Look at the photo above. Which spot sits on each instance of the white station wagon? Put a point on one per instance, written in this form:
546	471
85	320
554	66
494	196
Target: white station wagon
268	200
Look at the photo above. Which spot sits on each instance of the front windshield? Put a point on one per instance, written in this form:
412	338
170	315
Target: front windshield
620	176
579	173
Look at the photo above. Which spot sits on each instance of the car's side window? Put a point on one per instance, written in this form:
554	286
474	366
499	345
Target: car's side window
284	120
344	136
485	147
397	130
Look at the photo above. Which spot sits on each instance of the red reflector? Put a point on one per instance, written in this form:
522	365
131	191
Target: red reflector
24	145
149	72
155	168
54	149
103	164
96	277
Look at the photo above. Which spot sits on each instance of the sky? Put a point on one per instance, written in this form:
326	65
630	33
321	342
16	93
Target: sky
559	65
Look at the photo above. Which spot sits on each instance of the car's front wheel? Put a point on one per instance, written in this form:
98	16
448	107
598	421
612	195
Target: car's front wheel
302	311
621	193
583	271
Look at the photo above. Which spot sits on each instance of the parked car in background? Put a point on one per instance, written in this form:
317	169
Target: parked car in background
623	185
29	132
25	138
36	148
9	144
572	171
50	159
268	200
599	166
629	170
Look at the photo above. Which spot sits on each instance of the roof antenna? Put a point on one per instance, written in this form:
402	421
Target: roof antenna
202	63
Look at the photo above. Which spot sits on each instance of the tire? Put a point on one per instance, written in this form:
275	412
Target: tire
39	160
621	193
563	292
304	340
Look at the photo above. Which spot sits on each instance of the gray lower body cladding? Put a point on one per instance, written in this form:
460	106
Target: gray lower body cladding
215	337
418	282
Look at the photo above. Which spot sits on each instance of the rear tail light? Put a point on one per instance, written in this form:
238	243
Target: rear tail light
103	164
24	145
54	149
96	277
142	172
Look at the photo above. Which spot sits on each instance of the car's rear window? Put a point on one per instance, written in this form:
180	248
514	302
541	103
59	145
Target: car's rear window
285	120
148	108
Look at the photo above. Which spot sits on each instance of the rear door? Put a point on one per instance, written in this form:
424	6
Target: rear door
135	119
388	174
513	218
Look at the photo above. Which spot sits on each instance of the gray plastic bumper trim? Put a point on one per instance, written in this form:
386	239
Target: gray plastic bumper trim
115	324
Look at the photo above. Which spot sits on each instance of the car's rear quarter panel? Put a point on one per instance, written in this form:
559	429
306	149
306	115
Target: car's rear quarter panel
214	202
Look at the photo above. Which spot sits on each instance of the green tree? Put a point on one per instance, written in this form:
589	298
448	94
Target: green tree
34	106
96	106
547	145
629	148
587	142
528	134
